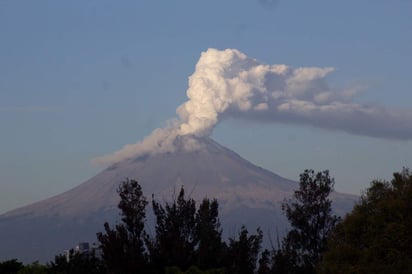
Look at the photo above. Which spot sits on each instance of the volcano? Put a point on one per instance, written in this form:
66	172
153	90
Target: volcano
247	194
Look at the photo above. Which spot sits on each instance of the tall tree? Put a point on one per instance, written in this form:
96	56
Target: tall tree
376	236
265	263
208	235
123	247
310	215
242	253
175	239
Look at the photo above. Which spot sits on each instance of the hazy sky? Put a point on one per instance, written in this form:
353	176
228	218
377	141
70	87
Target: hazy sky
80	79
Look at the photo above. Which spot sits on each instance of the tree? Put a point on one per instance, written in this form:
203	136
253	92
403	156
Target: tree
242	253
10	266
175	239
208	235
310	215
265	263
34	268
376	236
74	263
123	247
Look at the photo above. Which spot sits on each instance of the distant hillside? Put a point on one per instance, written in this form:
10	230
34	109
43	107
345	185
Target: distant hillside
247	194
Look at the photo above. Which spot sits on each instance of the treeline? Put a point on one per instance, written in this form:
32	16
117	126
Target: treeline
186	237
374	238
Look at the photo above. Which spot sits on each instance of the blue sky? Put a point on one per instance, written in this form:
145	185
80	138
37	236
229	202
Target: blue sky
80	79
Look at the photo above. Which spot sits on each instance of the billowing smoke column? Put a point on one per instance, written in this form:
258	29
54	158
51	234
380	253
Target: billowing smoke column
229	84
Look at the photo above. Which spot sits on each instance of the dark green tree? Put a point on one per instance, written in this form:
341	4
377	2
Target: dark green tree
60	264
123	247
242	253
310	215
175	240
34	268
10	266
281	263
75	263
265	263
376	236
209	252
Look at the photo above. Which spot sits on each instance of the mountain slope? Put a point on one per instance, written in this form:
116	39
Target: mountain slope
247	194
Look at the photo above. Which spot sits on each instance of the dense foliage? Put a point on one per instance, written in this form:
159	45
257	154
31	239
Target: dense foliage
175	239
376	236
186	238
10	266
75	263
310	215
243	252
